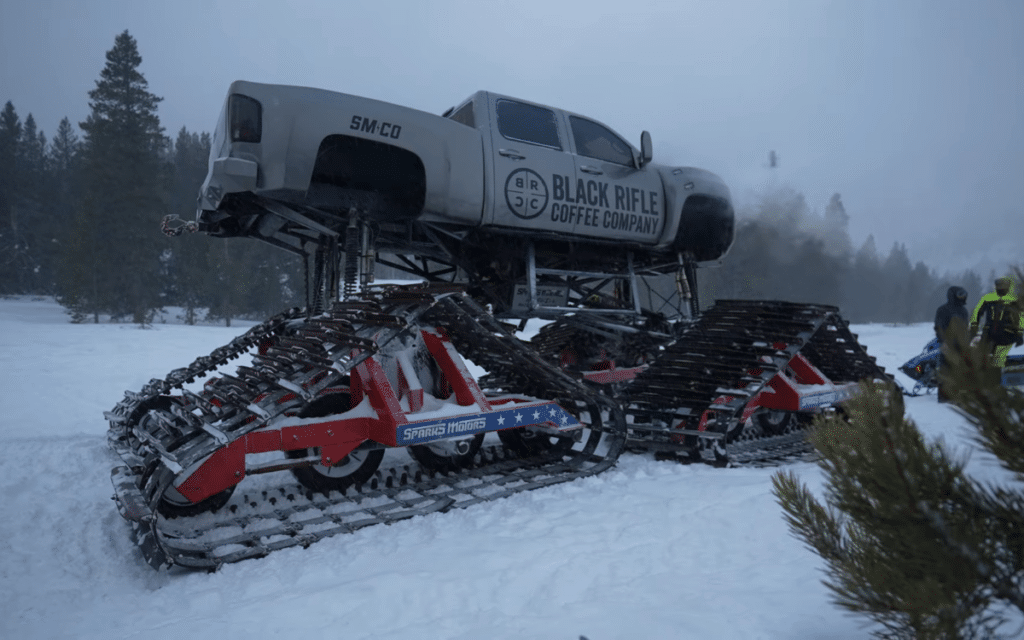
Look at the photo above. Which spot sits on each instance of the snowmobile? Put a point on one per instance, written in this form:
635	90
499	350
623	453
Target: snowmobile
923	368
505	210
1013	371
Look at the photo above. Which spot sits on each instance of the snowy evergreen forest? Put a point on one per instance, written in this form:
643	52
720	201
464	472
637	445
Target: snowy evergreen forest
80	217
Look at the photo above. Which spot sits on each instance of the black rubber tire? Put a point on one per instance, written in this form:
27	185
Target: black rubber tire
170	509
355	468
774	422
527	443
445	462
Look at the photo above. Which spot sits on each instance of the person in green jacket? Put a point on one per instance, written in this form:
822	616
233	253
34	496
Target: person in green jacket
1002	325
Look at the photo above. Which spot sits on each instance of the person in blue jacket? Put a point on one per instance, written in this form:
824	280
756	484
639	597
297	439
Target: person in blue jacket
950	317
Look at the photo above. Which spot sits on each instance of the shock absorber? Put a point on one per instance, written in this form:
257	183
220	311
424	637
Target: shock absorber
352	238
686	283
366	255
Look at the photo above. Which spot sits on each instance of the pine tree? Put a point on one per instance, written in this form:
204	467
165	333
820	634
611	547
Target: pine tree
230	279
784	208
864	285
63	163
752	267
971	281
908	537
190	276
920	303
836	229
25	158
63	150
113	260
817	275
30	216
895	293
10	139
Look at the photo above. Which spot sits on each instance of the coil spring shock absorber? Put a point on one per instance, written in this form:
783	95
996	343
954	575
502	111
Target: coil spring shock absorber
685	276
352	238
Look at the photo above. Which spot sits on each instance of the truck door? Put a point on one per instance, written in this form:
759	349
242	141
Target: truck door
530	150
612	198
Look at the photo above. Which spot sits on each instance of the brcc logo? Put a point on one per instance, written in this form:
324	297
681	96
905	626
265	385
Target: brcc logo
526	193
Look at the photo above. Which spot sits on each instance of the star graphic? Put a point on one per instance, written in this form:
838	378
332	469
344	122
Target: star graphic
554	411
565	419
519	417
501	420
536	415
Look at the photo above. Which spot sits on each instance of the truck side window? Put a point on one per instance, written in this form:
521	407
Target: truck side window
527	123
595	141
464	115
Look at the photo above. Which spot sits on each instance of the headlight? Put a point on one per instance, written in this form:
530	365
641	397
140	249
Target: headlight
245	117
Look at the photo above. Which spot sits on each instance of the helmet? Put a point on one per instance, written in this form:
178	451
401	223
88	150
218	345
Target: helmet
957	295
1003	285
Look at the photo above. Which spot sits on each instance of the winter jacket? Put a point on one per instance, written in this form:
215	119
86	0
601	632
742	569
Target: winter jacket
956	299
986	306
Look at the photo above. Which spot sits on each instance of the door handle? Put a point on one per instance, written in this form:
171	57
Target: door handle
511	154
585	168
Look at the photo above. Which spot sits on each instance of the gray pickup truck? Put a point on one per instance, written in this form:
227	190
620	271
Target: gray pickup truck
492	163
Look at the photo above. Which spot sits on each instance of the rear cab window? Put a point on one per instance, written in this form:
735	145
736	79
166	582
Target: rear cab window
528	123
599	142
464	115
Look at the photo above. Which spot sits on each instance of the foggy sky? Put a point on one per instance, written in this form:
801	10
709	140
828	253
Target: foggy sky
912	110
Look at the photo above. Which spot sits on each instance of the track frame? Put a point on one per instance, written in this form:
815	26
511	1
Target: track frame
200	445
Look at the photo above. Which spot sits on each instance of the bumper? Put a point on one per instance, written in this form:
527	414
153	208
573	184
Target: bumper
229	175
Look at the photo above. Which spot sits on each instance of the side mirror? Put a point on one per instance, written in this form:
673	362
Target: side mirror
646	150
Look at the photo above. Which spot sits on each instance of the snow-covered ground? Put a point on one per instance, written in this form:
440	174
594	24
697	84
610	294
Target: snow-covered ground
647	550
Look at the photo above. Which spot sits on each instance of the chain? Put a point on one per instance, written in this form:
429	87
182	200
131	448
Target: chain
172	226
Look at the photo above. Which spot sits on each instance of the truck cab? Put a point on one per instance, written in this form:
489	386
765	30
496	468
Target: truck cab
563	173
